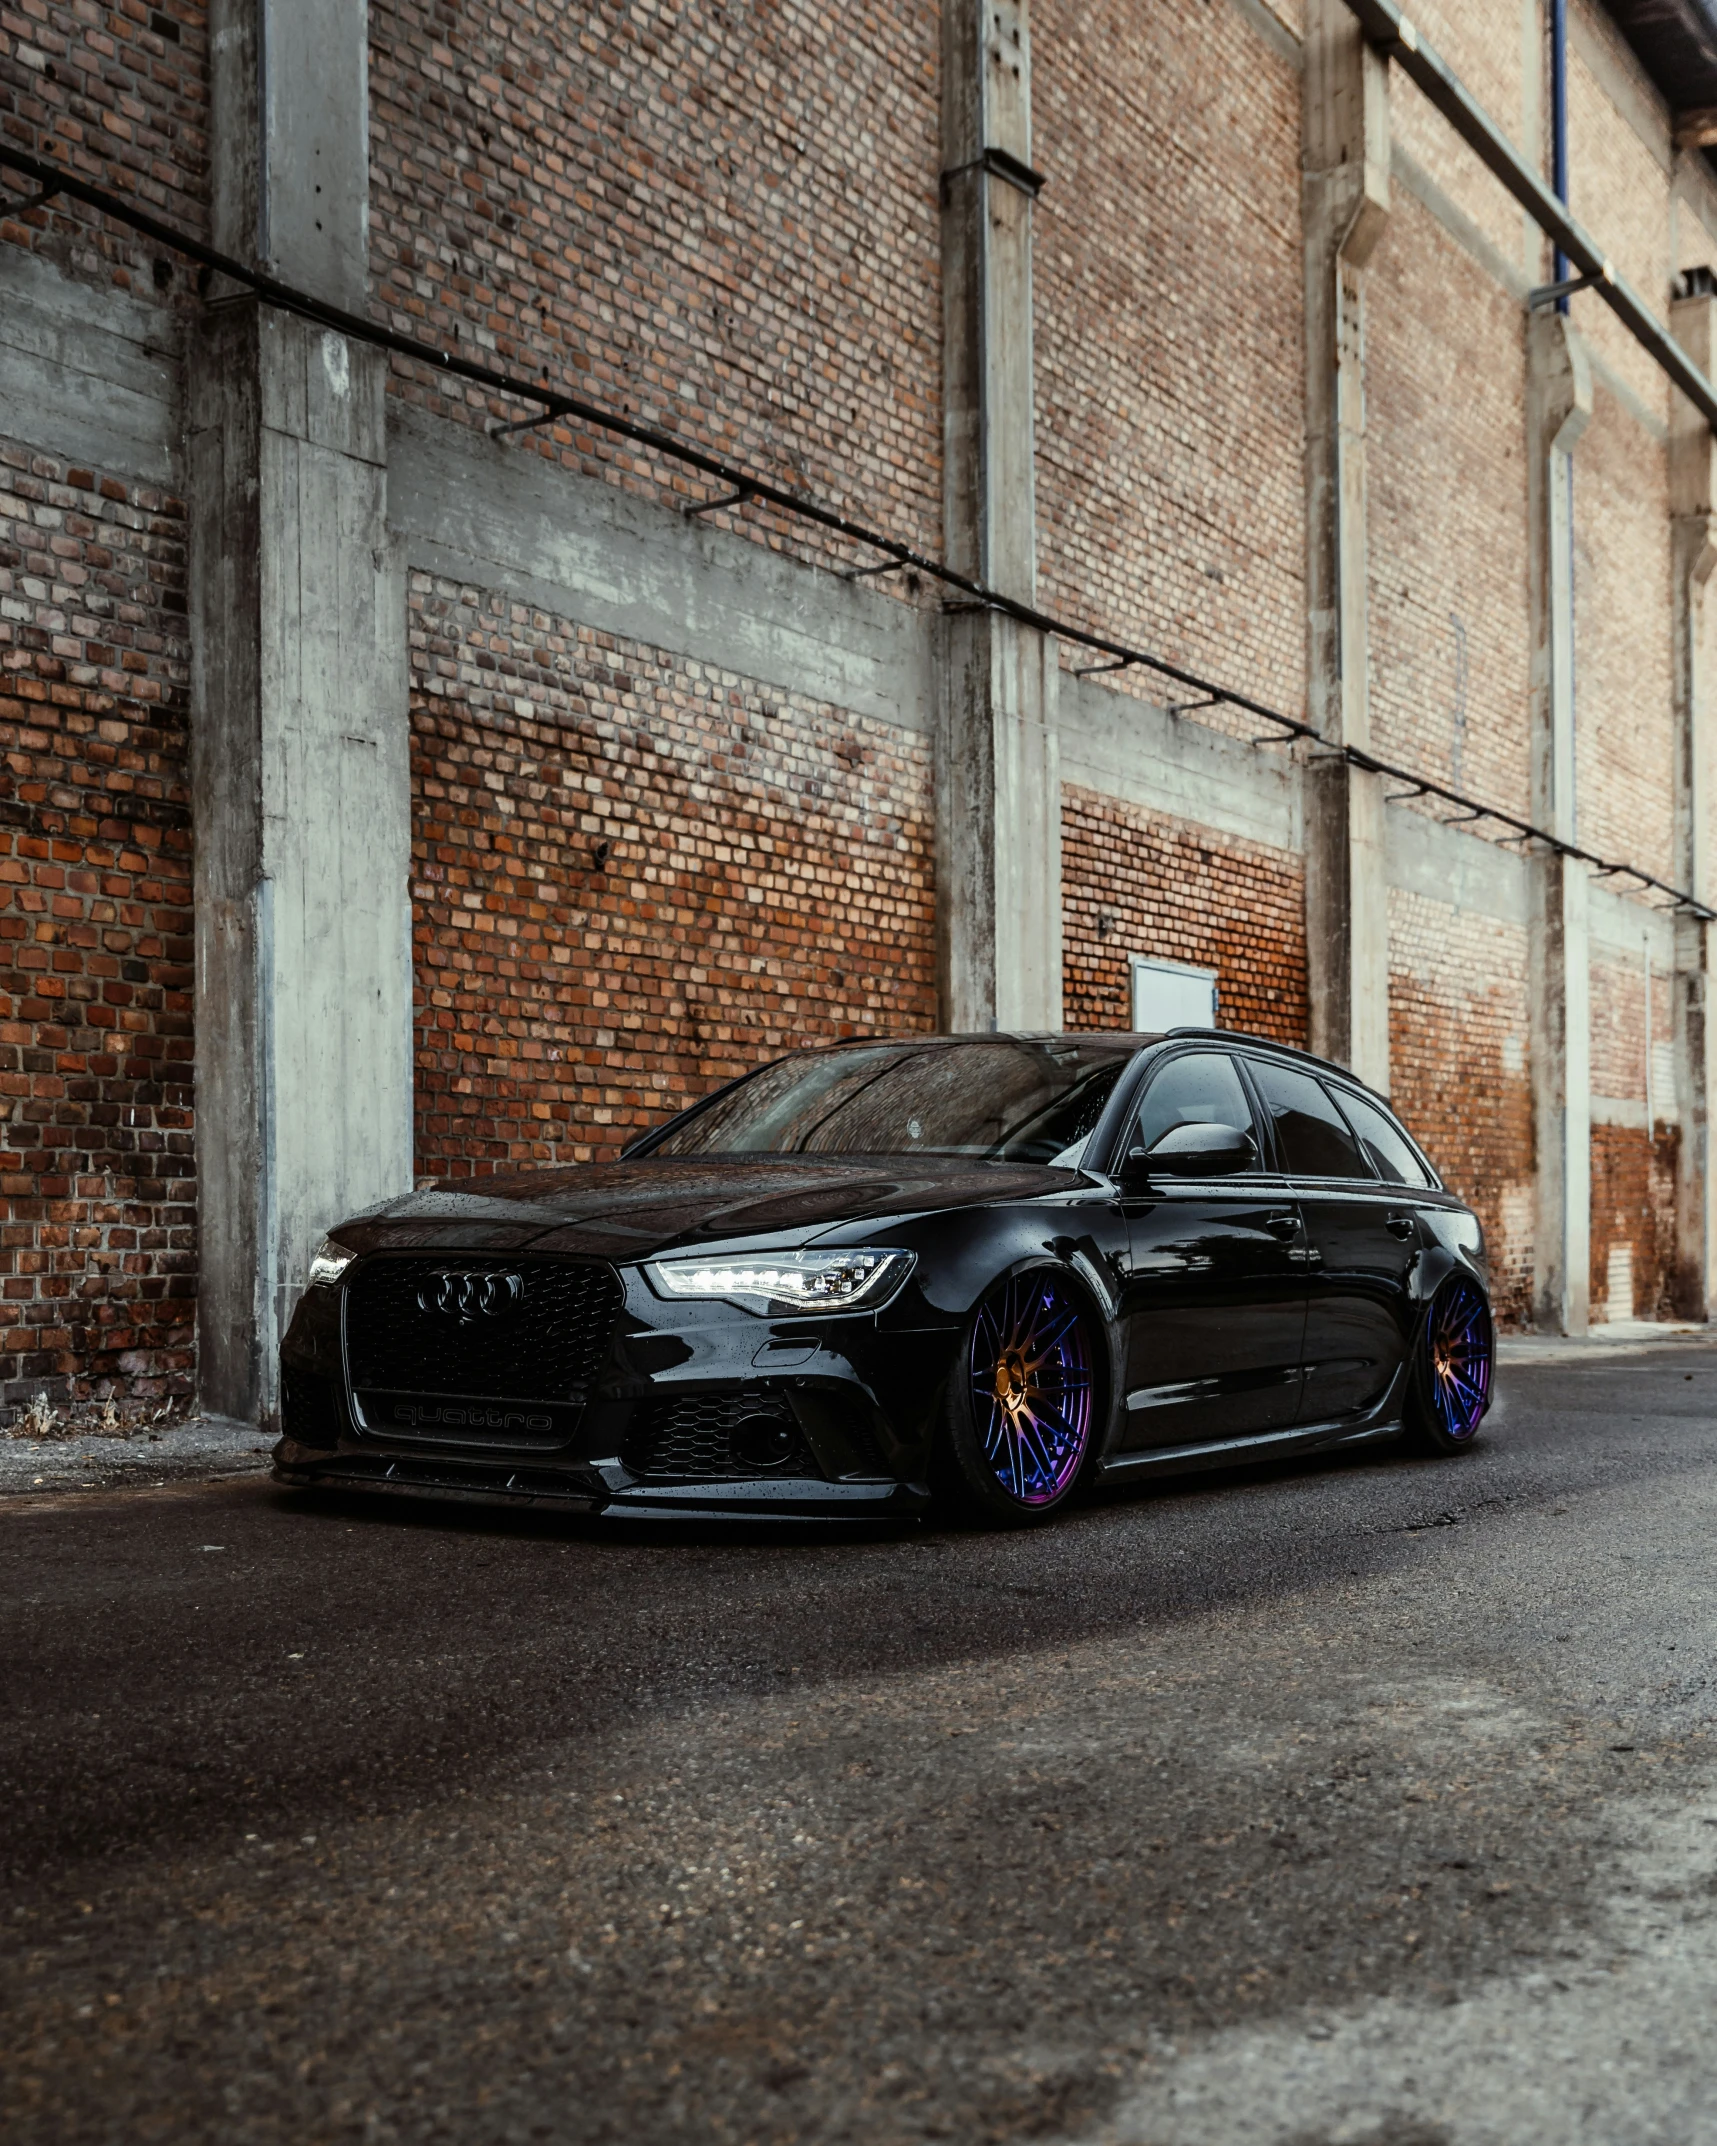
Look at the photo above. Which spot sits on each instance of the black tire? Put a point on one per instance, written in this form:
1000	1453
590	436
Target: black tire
1453	1368
1021	1406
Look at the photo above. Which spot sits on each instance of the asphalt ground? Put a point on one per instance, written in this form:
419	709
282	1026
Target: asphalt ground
1371	1803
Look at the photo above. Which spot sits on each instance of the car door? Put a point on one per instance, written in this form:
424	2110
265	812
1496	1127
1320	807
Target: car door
1215	1296
1362	1239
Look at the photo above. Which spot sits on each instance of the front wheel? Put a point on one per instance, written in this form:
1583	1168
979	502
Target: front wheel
1020	1400
1454	1360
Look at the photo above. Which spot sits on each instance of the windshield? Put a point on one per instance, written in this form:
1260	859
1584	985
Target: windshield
1002	1101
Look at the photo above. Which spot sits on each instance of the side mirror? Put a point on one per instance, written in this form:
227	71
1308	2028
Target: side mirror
1191	1151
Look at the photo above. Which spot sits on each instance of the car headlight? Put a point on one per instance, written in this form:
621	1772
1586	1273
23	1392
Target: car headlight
796	1281
327	1263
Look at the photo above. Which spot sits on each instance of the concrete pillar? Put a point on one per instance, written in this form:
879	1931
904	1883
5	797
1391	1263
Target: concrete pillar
299	751
1693	506
998	769
1558	410
1345	207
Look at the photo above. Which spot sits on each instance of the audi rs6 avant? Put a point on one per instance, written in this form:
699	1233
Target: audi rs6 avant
991	1268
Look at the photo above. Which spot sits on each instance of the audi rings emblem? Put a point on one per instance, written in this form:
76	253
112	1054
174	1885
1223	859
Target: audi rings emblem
471	1294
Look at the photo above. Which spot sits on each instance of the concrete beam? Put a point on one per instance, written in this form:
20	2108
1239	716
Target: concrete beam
498	517
998	783
1345	207
1693	508
1558	410
290	141
300	771
97	370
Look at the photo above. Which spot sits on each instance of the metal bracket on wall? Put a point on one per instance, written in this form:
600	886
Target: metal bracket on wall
1000	165
32	201
1552	293
711	506
523	424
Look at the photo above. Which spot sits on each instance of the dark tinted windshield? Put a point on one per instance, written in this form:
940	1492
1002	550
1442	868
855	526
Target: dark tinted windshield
1003	1100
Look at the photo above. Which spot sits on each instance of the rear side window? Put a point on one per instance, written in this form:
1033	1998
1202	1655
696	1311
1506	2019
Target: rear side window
1386	1145
1312	1137
1198	1088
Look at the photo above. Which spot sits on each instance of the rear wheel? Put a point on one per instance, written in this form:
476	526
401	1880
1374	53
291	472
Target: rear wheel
1453	1364
1020	1400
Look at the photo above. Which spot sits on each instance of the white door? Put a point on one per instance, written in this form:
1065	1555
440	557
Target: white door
1168	994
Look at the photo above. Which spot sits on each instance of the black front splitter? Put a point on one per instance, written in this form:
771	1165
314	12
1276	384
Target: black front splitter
426	1476
414	1478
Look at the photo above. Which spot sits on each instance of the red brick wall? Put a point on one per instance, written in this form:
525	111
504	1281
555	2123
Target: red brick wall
1170	338
1633	1204
119	95
1633	1176
97	1245
766	882
722	220
1135	883
1623	642
1446	515
1459	1073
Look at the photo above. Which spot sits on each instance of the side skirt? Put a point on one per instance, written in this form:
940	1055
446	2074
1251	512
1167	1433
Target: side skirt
1236	1452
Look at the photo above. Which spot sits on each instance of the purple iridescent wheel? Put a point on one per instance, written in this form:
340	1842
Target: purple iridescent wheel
1020	1402
1453	1367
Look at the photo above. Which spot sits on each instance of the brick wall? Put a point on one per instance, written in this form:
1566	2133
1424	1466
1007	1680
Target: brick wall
1633	1209
1136	883
97	1245
721	220
1633	1168
636	876
119	95
1459	1071
1446	455
1169	335
1619	137
1623	642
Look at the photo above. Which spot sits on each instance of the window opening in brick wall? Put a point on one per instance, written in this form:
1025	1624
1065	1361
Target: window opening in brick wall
1170	994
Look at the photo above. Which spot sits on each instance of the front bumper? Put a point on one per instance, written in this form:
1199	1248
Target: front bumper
854	1404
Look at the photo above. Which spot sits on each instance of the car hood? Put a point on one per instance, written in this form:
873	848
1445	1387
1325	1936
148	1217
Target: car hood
630	1210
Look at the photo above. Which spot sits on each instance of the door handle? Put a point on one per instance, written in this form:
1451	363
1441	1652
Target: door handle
1400	1225
1284	1225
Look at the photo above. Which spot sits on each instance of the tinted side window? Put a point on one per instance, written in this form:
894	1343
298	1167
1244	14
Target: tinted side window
1199	1088
1311	1134
1383	1141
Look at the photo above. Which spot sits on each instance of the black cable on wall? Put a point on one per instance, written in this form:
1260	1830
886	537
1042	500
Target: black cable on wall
53	181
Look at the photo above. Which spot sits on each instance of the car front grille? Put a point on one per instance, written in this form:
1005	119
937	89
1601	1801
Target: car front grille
692	1438
436	1347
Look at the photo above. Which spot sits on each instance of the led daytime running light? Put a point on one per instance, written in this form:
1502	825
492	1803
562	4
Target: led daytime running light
838	1281
328	1262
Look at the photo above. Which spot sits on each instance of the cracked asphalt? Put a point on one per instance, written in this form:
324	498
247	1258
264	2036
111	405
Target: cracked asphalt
1369	1803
